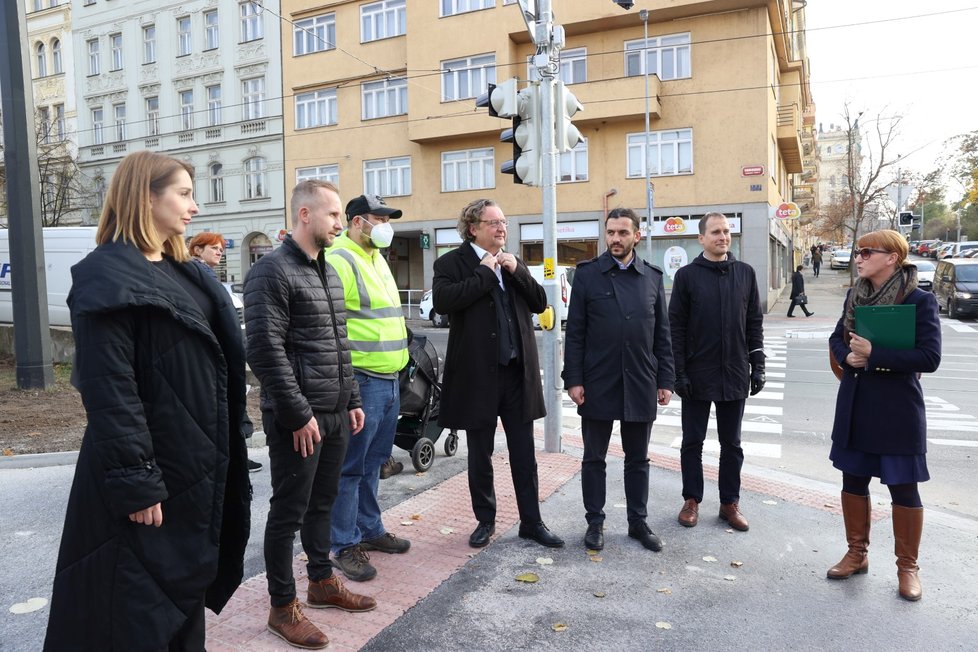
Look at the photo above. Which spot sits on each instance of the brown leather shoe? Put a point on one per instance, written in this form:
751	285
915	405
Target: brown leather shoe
331	594
731	514
689	515
289	624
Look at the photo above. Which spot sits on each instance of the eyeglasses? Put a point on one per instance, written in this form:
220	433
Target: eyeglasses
866	252
494	223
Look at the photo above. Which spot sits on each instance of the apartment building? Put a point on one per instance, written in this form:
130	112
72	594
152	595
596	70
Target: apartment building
380	99
199	80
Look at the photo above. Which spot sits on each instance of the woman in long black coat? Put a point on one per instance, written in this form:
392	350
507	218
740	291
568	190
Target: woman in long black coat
880	427
158	516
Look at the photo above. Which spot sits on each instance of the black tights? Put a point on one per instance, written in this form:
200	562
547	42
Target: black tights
904	495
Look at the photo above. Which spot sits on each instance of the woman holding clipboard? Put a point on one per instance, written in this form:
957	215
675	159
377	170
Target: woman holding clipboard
880	424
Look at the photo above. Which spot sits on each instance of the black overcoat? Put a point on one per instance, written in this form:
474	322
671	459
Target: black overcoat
716	320
463	289
165	399
880	409
797	284
618	345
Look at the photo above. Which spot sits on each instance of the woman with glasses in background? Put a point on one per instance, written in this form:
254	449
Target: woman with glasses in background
880	424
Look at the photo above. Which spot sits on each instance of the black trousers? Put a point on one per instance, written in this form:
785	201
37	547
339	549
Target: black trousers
303	492
794	303
522	453
695	419
635	442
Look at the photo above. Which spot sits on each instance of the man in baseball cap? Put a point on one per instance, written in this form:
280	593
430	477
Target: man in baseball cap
372	205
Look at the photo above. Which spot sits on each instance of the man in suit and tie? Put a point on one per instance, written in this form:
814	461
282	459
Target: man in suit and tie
491	365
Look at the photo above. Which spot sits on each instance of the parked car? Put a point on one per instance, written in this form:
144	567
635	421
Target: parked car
957	249
956	286
925	274
971	253
427	311
943	250
934	249
924	247
840	259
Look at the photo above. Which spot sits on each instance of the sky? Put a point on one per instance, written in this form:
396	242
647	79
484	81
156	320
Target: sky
922	67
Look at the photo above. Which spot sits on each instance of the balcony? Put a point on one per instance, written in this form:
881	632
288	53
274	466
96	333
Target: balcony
789	137
253	127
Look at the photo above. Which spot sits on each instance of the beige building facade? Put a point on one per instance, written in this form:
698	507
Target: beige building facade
380	98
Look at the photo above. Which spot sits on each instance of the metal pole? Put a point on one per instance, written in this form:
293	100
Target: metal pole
644	15
552	383
32	336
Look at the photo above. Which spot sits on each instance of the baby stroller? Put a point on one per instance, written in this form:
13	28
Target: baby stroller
420	391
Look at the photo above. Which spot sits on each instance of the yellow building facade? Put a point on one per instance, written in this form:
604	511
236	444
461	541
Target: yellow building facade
380	98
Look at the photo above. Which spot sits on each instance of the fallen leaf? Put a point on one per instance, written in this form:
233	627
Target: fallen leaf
730	578
558	627
662	625
591	553
303	556
419	474
770	502
736	564
27	607
596	558
415	517
529	578
8	452
598	594
665	590
709	558
829	505
408	523
446	530
544	561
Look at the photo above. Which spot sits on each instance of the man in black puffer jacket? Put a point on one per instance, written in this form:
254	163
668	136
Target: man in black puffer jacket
298	349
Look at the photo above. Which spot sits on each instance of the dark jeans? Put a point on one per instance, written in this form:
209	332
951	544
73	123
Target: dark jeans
794	303
695	419
635	442
816	267
522	453
303	492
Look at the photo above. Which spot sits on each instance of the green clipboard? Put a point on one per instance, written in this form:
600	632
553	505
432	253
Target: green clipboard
891	327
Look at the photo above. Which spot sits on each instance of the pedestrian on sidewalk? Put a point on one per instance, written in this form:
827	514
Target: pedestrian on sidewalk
378	350
718	346
618	319
310	402
160	507
491	366
798	296
880	427
816	259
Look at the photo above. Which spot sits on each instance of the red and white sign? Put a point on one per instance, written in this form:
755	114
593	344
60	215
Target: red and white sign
674	226
752	171
787	211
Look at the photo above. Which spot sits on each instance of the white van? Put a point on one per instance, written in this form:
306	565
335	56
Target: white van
564	276
63	247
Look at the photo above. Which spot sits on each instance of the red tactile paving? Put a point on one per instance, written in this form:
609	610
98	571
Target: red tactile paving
437	522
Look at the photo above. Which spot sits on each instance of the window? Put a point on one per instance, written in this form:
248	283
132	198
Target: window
452	7
41	56
572	165
667	57
119	112
468	170
464	78
384	98
184	41
253	95
670	152
56	55
387	177
98	119
211	30
152	116
94	64
251	26
314	34
44	123
382	20
187	110
254	178
59	121
115	48
315	109
149	44
214	105
216	182
329	173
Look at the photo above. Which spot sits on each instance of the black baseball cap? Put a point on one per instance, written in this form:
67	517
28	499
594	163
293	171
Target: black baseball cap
373	204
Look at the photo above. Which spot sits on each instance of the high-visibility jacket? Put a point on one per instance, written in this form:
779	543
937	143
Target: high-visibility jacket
374	319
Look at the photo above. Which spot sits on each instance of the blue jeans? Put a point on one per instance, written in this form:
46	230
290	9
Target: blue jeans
356	513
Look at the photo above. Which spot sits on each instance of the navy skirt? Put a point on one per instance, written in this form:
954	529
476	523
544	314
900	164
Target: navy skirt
890	469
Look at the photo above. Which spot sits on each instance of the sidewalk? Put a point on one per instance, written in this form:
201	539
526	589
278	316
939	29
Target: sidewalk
709	588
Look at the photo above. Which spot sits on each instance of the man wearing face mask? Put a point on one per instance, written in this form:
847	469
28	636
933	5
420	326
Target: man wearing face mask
378	344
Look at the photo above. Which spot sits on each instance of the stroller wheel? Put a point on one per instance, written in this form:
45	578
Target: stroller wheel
423	454
451	443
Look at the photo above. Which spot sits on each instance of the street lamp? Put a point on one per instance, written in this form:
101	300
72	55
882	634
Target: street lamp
644	16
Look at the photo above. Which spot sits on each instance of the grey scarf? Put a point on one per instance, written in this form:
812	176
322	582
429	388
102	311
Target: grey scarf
893	291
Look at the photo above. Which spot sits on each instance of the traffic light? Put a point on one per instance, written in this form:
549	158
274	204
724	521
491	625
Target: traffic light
566	135
906	218
525	136
500	99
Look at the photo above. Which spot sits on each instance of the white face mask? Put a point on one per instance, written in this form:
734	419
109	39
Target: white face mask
382	235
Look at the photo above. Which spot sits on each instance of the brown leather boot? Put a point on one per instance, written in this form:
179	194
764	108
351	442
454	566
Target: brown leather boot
289	624
730	512
856	511
331	594
908	523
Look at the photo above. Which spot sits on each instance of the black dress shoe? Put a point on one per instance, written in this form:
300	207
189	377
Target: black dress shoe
594	537
480	537
253	466
645	536
539	533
